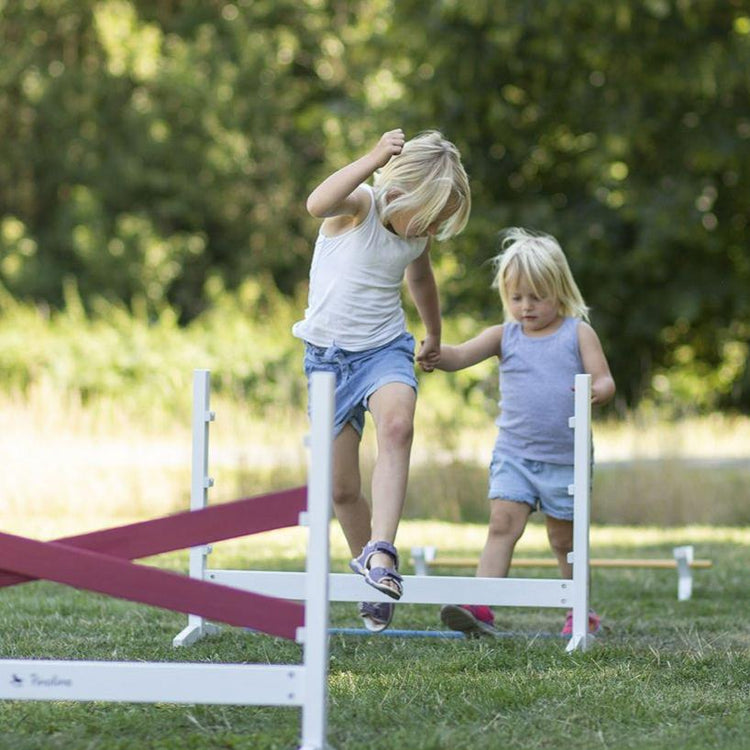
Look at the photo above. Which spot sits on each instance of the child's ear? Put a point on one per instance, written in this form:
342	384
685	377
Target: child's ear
392	194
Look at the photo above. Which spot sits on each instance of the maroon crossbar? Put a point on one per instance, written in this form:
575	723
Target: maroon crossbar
188	529
108	575
95	561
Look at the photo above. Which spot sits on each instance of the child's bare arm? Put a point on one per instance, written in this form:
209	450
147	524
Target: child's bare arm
595	364
337	195
423	289
473	351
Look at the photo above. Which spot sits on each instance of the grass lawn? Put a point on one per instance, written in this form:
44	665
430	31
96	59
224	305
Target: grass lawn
663	674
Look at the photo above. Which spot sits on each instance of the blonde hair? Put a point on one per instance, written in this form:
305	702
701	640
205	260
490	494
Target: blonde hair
538	260
425	178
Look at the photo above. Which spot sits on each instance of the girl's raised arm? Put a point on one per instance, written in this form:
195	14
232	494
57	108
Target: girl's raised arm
337	195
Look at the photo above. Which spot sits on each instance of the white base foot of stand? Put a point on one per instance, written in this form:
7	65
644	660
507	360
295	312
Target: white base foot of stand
193	633
581	643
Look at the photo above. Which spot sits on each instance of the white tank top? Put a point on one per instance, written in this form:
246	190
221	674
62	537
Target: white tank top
354	300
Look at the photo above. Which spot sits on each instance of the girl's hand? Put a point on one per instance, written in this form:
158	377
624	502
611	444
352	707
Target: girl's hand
429	353
390	144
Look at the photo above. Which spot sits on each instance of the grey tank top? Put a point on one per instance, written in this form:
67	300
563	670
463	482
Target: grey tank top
537	376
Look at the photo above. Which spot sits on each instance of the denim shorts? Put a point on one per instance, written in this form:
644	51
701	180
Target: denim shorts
542	485
360	374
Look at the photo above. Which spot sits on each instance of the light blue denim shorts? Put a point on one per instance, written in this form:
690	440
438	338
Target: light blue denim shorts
360	374
541	485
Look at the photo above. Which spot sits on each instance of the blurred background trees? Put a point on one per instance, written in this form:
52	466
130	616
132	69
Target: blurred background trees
155	153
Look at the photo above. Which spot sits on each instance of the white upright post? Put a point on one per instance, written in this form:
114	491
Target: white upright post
315	635
684	558
200	483
581	491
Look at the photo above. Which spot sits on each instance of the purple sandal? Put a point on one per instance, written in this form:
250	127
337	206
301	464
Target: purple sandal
376	616
386	580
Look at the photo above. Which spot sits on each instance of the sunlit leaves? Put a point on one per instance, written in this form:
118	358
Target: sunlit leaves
147	146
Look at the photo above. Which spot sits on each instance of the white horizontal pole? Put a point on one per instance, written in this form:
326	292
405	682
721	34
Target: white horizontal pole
138	682
348	587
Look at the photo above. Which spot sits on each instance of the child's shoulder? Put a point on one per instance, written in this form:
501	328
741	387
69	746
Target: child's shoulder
368	206
585	331
493	335
510	328
358	209
364	194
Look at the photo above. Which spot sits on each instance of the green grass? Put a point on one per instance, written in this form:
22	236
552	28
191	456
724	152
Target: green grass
94	411
664	674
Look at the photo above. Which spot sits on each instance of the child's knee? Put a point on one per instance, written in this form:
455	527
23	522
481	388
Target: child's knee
561	537
561	547
505	527
397	429
345	494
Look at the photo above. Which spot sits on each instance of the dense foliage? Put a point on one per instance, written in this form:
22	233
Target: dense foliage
153	150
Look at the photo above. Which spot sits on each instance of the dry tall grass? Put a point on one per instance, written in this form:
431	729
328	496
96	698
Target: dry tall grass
69	467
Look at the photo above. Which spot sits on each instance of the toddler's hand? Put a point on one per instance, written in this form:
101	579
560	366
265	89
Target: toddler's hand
390	144
596	397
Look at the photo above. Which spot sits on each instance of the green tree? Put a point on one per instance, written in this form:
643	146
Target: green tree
148	146
620	128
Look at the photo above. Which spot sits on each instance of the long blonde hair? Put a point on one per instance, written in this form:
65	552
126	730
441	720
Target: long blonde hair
538	260
425	178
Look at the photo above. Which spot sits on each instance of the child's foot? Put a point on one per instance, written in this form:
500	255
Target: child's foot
384	577
594	622
376	616
473	620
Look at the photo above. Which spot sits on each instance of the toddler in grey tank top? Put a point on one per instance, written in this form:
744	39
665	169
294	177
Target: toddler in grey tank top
536	373
543	344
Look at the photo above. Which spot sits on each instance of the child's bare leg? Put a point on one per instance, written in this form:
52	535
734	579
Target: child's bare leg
560	535
349	504
392	409
507	523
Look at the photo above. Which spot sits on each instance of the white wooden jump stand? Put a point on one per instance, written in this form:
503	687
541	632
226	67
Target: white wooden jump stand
683	561
303	685
570	593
